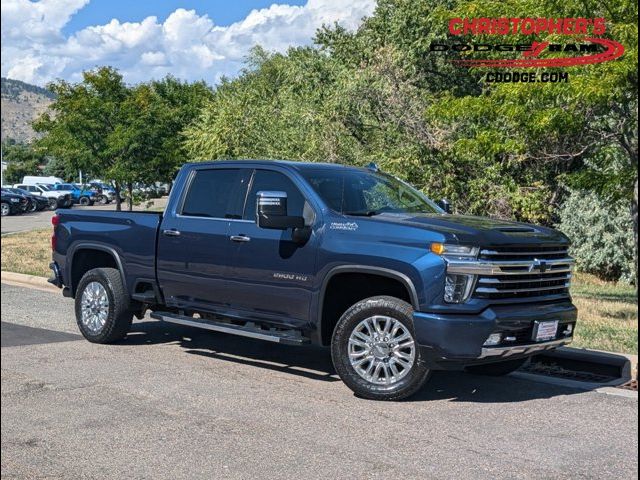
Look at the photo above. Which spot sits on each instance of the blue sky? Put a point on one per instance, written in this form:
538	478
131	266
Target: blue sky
43	40
221	12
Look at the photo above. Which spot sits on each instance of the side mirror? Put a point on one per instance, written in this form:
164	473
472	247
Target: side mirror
271	212
445	205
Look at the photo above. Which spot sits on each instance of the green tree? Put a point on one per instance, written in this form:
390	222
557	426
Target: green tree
120	133
21	160
83	124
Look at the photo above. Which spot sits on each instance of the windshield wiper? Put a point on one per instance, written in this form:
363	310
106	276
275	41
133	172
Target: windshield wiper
363	213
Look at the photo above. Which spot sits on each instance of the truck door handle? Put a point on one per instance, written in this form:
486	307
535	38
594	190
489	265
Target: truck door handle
171	232
240	238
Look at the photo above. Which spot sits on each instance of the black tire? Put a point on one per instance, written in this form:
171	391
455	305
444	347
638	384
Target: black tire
84	201
497	369
120	314
396	309
6	209
103	199
32	206
53	204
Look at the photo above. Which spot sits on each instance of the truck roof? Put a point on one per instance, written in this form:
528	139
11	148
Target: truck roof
285	163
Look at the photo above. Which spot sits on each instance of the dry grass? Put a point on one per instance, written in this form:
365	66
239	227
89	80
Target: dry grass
607	315
27	252
607	312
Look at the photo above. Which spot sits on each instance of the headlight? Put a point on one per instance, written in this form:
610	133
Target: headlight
14	200
445	249
457	288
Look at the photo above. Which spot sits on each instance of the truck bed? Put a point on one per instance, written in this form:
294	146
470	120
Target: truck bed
130	237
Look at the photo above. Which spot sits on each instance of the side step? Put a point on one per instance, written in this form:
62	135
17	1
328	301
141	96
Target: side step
284	337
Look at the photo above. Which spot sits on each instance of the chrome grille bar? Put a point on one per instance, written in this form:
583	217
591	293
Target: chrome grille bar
526	280
518	290
522	254
507	267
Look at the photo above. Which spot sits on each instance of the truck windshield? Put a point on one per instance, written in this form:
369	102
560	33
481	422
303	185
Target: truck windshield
367	193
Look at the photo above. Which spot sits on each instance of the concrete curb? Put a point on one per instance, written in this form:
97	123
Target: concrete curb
29	281
627	363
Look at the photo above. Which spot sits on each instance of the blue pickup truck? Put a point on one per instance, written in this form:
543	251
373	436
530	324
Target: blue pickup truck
307	253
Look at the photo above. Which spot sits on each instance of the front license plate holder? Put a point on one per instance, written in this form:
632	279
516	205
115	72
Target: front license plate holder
543	331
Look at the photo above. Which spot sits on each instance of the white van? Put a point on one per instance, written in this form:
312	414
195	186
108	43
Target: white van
32	180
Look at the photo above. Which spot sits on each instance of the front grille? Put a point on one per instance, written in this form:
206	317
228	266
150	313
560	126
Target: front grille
524	272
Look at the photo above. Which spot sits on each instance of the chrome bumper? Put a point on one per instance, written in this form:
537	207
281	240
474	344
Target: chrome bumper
503	352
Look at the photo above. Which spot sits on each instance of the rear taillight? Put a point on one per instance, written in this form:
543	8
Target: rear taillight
55	221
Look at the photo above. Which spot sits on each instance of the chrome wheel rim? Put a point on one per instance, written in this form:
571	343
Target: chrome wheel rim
381	350
94	307
5	209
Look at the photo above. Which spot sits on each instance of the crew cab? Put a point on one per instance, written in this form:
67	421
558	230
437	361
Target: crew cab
306	253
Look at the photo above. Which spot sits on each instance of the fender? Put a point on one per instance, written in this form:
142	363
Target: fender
385	272
92	246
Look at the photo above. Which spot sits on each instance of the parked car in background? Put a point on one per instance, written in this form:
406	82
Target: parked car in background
12	204
34	180
36	202
80	195
105	192
56	199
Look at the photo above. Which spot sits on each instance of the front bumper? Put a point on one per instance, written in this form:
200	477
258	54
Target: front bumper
453	341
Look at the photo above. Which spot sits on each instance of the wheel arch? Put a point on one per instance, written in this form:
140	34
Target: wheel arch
325	326
78	264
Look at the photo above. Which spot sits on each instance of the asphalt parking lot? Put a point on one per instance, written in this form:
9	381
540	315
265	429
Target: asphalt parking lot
171	402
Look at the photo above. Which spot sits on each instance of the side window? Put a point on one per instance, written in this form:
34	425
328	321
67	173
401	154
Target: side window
211	193
268	180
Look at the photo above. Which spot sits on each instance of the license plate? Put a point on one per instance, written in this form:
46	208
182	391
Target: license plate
545	330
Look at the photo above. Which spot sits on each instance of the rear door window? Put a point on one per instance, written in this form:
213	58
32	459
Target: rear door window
214	193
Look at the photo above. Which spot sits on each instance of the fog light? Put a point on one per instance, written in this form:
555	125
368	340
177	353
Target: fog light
568	330
457	288
494	339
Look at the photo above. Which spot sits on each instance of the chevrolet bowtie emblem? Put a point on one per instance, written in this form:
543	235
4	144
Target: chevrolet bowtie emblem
539	265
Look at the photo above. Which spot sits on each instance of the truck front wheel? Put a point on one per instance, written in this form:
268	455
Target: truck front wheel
374	350
103	311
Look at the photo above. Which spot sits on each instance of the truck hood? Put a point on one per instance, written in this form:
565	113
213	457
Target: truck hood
480	231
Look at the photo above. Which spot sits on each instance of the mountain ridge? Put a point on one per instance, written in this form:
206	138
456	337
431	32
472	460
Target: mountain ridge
21	104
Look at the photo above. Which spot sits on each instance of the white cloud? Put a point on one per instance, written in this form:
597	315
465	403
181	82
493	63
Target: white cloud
186	44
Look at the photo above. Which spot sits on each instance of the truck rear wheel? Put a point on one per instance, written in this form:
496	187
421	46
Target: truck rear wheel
103	311
53	204
374	350
497	369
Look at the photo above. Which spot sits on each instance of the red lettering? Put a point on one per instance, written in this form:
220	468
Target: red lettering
599	26
454	29
581	25
568	25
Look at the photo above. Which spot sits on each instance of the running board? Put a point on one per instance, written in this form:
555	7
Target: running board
284	337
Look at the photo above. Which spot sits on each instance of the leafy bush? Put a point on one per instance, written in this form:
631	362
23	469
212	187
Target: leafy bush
602	235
